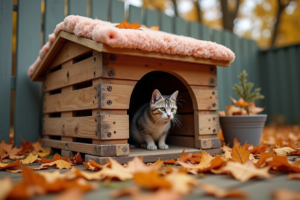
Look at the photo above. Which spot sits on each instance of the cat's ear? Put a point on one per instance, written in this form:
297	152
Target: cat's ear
174	96
155	96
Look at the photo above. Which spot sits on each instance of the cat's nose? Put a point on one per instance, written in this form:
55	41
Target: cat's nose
169	116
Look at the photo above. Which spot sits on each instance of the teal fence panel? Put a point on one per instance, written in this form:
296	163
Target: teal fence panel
180	27
27	96
99	9
166	23
135	14
117	12
54	14
205	32
151	18
77	7
194	30
6	15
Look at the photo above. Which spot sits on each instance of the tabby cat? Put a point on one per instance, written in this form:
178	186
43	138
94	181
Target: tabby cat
151	123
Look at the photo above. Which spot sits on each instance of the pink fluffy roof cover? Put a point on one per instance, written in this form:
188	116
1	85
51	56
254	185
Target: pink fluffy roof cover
143	39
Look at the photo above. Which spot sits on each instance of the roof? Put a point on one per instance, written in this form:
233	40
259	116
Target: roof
105	37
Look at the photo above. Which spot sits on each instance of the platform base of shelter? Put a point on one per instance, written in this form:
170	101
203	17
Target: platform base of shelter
152	156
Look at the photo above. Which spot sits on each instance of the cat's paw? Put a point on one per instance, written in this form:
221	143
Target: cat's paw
152	147
144	146
164	146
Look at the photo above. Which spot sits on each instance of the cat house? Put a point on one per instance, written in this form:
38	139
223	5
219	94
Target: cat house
93	87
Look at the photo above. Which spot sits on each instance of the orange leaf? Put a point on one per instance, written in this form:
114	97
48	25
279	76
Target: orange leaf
72	193
6	186
12	165
294	176
221	193
77	159
60	164
281	163
5	146
151	180
259	149
239	154
169	161
263	157
241	102
198	155
127	25
184	156
133	190
55	158
285	194
253	110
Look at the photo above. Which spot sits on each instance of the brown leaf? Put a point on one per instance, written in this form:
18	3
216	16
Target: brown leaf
214	164
55	158
258	149
281	163
20	170
127	25
151	179
11	165
6	187
128	191
88	166
72	193
283	151
77	159
136	165
263	157
60	164
294	176
169	161
197	155
240	154
284	194
184	156
246	171
221	193
253	110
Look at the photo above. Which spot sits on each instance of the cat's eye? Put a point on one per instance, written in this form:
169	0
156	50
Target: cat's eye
172	110
162	109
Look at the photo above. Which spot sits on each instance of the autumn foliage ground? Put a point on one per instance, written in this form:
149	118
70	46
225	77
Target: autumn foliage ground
164	179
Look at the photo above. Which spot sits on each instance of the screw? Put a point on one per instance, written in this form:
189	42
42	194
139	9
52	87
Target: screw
109	134
67	74
111	73
212	81
109	102
214	104
213	93
94	59
96	134
94	73
95	120
211	69
66	146
112	57
214	130
109	88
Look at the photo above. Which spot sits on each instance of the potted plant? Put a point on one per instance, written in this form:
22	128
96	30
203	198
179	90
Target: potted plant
240	120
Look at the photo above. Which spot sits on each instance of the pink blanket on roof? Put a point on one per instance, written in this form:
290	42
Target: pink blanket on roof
144	39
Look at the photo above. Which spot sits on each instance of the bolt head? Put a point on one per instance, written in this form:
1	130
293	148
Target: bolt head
109	134
109	88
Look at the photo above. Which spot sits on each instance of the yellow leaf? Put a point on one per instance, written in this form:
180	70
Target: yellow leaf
221	193
181	182
283	151
6	187
205	160
60	164
30	159
44	153
240	154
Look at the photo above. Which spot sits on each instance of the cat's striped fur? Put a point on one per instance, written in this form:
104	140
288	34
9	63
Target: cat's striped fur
151	123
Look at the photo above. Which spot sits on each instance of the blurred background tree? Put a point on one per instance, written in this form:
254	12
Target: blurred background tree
269	22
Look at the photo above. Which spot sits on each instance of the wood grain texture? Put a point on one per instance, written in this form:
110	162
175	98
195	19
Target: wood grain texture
186	128
135	67
183	141
71	74
208	124
210	143
152	156
205	99
104	127
94	149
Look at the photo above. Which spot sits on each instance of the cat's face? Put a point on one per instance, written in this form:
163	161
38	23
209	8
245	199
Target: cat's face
163	107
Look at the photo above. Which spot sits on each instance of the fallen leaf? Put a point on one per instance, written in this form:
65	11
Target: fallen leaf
11	165
77	159
6	187
284	194
127	25
181	182
60	164
127	191
236	142
251	157
55	158
226	148
215	163
88	166
226	155
283	151
221	193
116	171
20	170
281	163
258	149
72	193
158	164
151	179
263	157
161	194
205	160
169	161
197	155
51	177
294	176
44	153
5	146
194	160
136	165
246	171
30	159
240	154
184	156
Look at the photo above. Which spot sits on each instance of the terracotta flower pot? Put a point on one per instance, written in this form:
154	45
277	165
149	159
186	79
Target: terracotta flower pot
243	127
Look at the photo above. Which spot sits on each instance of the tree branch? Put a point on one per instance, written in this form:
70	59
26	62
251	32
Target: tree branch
175	7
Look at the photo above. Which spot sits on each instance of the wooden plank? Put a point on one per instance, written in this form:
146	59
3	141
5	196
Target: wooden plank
27	96
152	156
68	139
186	128
107	49
180	26
65	153
184	103
71	74
194	30
206	99
181	141
210	143
6	8
54	14
135	14
104	127
205	32
99	9
208	124
94	149
77	7
166	23
117	11
134	68
151	18
69	51
107	142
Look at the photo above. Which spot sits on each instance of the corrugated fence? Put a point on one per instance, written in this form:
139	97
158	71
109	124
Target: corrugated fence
277	68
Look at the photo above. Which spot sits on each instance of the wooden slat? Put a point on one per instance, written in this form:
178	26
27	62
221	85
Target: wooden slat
166	23
99	9
135	14
79	72
94	149
134	68
194	30
208	124
151	18
117	11
77	7
6	15
205	32
210	143
69	51
27	98
54	14
206	99
186	128
94	127
184	103
183	141
180	26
